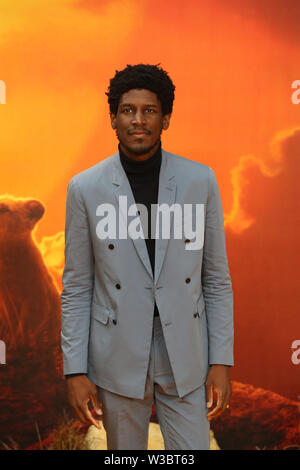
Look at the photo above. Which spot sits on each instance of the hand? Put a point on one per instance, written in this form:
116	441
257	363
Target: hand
218	380
80	391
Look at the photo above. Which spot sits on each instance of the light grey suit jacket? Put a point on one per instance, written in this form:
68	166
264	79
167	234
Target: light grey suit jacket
109	290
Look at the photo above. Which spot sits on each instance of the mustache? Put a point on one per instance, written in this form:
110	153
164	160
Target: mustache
140	129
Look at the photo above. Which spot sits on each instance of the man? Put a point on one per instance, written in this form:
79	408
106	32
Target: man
147	313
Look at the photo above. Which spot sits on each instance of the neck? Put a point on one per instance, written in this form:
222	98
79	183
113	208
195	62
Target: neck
142	157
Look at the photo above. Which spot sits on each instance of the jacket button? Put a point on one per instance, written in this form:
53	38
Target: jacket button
118	286
114	322
188	280
111	246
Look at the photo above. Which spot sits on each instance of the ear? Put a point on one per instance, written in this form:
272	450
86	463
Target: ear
113	120
35	210
166	121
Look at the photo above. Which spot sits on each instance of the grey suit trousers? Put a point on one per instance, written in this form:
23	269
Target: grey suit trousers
183	421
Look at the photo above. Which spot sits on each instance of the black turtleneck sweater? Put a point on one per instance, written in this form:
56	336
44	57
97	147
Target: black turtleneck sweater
143	177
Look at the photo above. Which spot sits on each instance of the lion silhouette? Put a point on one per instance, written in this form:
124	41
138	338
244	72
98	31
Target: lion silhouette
32	388
30	304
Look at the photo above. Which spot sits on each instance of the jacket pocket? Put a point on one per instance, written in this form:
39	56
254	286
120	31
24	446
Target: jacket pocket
100	313
200	306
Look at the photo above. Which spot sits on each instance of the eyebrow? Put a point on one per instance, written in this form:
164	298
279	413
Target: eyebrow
146	105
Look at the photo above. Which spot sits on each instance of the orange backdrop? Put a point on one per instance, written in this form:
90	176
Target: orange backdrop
233	63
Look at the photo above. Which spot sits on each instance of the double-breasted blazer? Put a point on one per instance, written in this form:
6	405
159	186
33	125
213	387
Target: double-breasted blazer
109	290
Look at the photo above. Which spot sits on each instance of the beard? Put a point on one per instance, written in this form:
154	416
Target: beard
141	150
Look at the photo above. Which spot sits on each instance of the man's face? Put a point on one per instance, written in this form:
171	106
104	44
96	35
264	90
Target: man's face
139	122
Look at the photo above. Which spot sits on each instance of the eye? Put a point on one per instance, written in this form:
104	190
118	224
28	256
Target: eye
150	110
126	110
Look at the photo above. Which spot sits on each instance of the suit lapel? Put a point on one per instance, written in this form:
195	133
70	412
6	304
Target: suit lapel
122	188
166	195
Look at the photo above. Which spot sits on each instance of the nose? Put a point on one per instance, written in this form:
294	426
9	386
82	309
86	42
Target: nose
138	118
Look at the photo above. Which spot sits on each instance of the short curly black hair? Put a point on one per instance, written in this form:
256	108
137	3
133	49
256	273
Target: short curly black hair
142	76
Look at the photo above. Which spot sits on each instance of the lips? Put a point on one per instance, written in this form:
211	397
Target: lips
139	133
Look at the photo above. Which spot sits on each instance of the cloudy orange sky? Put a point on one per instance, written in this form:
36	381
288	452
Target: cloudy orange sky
232	62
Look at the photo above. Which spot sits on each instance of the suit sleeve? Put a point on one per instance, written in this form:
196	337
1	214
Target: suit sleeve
216	280
78	282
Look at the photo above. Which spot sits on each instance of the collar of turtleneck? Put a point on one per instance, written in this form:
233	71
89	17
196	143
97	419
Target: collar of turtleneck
150	165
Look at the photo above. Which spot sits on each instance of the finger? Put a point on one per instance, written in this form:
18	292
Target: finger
92	420
76	408
226	399
88	415
96	404
226	402
214	413
79	414
209	396
218	408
